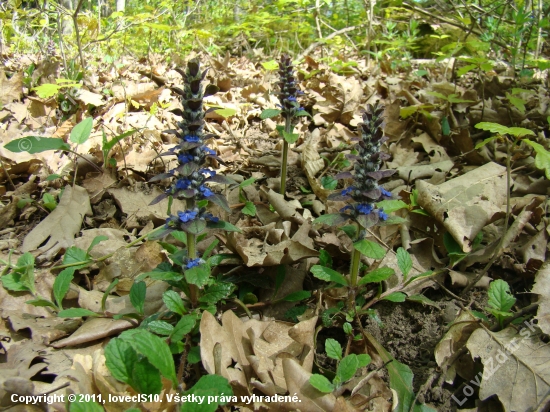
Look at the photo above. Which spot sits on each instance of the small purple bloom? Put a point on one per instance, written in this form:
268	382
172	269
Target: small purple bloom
209	151
206	192
187	216
382	215
193	263
192	139
208	172
183	184
185	158
364	208
348	207
211	217
385	192
291	99
347	191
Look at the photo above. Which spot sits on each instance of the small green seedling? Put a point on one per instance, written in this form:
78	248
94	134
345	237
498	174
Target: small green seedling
500	301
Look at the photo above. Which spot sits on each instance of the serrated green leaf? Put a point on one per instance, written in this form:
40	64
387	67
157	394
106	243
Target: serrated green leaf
377	275
466	69
500	129
174	302
268	113
328	275
249	209
217	292
404	261
197	275
392	205
194	355
395	297
270	65
408	111
160	327
184	326
297	296
363	360
329	182
485	141
62	284
290	137
500	297
370	249
348	329
138	292
517	102
81	132
76	255
300	113
146	378
120	358
46	90
324	258
321	383
34	144
209	385
333	349
12	281
542	159
346	368
76	313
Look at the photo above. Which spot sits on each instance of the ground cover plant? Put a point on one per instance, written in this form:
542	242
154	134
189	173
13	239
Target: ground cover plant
314	206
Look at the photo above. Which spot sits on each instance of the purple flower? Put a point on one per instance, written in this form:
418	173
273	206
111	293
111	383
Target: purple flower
193	263
291	99
208	172
348	207
191	139
209	151
364	208
182	184
206	192
187	216
211	217
382	215
185	158
385	192
347	191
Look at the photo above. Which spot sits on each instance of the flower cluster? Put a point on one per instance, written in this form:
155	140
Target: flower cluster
191	175
288	88
365	191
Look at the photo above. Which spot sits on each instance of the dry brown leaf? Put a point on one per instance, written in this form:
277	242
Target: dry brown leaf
522	382
542	288
62	224
10	89
464	205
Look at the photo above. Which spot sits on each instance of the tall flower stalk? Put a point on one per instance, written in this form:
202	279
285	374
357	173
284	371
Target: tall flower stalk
289	109
191	176
365	192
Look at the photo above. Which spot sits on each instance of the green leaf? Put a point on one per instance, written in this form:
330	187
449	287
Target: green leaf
395	297
76	313
321	383
97	240
377	275
108	145
42	302
12	281
217	292
62	284
268	113
197	275
34	144
155	350
226	112
85	406
453	98
81	132
332	219
408	111
363	360
120	358
46	90
500	129
209	385
138	292
391	206
290	137
249	209
194	355
485	141
76	255
160	327
542	159
445	126
300	113
195	227
436	94
370	249
25	267
348	329
184	326
174	302
270	65
329	182
324	258
500	297
222	224
517	102
404	261
346	368
422	299
328	275
160	275
146	378
333	349
466	69
297	296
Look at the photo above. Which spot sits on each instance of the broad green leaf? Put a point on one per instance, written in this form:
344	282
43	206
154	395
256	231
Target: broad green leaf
222	224
247	182
41	302
347	367
46	90
333	349
408	111
184	326
249	209
485	141
76	313
85	406
138	292
81	132
517	102
422	299
297	296
155	350
120	358
363	360
194	355
97	240
392	205
377	275
217	292
174	302
160	327
466	69
12	281
197	275
34	144
209	385
348	329
500	297
268	113
324	258
370	249
290	137
76	255
542	159
328	275
395	297
321	383
445	126
436	94
300	113
404	261
500	129
226	112
329	182
146	378
108	145
270	65
62	284
25	267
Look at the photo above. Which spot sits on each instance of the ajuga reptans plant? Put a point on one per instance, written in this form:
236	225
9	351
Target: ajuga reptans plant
289	109
192	175
365	192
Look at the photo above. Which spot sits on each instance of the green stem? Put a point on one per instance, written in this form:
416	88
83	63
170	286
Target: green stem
284	161
354	274
192	254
